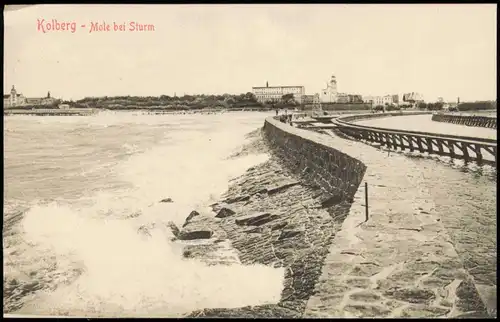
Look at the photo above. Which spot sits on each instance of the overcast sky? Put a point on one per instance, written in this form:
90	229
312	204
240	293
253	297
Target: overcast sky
437	50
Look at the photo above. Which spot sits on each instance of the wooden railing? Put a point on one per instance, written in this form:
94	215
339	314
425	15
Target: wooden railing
468	120
483	151
358	117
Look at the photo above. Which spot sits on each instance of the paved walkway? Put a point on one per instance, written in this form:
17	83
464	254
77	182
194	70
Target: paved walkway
401	262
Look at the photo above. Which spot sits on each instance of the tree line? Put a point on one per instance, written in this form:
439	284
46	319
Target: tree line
183	102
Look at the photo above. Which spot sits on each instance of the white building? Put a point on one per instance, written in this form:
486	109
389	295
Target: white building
382	100
387	100
15	99
374	100
275	93
413	97
330	93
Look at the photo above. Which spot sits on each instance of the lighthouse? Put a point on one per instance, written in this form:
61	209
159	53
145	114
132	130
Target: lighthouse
329	94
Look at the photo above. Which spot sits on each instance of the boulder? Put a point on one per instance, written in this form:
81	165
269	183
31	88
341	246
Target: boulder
198	251
174	228
279	226
256	230
135	214
288	233
214	206
282	187
238	199
193	214
167	200
144	230
255	219
195	234
225	212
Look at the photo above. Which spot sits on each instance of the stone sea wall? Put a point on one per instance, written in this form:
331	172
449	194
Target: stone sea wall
303	210
338	174
282	213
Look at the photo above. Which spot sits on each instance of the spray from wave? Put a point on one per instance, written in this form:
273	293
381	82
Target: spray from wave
91	261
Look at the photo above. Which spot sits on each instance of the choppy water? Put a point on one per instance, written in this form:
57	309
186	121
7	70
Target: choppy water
71	185
424	123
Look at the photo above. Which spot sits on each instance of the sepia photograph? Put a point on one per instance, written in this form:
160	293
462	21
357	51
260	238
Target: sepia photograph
250	161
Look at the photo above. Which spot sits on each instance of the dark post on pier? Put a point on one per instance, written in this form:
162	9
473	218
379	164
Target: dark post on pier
366	201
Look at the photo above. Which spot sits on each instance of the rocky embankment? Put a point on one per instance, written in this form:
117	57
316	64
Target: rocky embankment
269	216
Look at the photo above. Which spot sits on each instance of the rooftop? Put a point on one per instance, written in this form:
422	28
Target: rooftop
255	87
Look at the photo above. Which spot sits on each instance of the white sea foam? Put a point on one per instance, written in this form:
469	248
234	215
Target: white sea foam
96	263
125	273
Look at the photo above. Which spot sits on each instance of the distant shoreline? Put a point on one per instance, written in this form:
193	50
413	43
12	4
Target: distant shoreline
90	111
148	111
51	111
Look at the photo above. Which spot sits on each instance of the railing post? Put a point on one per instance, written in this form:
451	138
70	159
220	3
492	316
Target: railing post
465	152
366	201
440	146
452	149
394	138
429	145
419	144
479	156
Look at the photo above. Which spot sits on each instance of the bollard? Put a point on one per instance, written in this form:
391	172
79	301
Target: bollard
366	201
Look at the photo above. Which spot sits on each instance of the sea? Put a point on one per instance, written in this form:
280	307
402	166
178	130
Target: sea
78	188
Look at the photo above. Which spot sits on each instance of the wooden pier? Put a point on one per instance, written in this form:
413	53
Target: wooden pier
51	112
468	120
483	151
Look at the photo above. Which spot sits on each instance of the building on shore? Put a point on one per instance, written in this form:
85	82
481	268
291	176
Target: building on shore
342	98
311	99
275	93
355	99
373	100
387	100
413	98
316	99
18	99
382	100
13	99
330	93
